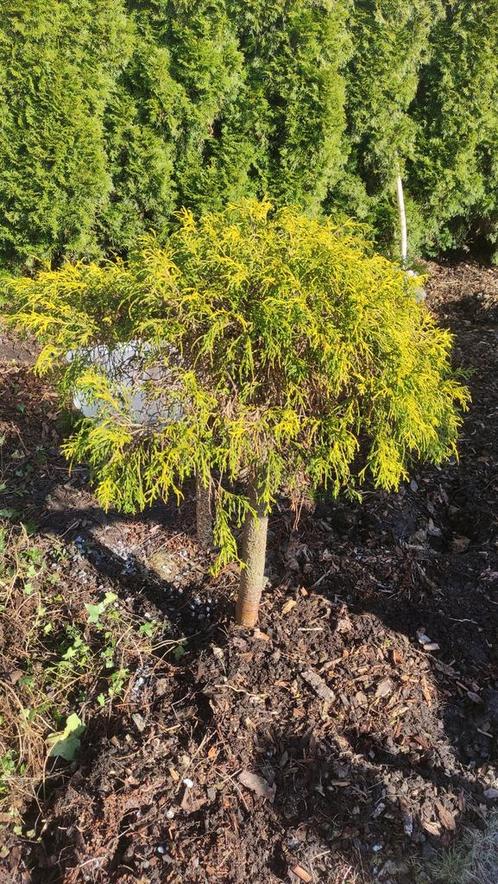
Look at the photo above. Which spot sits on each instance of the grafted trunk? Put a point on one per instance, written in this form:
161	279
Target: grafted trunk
402	219
204	515
253	554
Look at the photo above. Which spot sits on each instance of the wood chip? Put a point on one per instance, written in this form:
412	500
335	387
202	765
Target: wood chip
258	785
432	827
460	544
289	605
426	691
262	636
302	874
446	817
384	688
318	684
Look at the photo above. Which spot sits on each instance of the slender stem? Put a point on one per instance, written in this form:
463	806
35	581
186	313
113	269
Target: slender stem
204	515
254	537
402	219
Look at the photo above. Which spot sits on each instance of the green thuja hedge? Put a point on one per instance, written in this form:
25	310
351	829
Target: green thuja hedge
391	43
58	62
114	115
455	174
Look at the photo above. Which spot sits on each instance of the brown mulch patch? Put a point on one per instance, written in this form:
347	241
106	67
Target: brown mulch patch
356	729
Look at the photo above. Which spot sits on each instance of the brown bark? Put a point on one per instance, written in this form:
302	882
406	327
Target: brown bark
253	555
204	515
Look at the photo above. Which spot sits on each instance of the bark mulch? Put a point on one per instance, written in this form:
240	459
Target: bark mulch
355	730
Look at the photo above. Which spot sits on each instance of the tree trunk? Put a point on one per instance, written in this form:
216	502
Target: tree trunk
402	219
253	555
204	516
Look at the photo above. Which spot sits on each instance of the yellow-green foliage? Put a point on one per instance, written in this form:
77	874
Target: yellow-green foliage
295	352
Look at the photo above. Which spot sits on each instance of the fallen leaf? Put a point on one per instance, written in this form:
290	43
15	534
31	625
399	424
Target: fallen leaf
258	785
16	675
191	804
397	657
302	874
432	827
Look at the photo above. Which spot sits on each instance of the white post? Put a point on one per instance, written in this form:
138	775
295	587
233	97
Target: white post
402	219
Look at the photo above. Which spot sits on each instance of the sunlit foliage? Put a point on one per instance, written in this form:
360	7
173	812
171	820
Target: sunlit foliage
266	343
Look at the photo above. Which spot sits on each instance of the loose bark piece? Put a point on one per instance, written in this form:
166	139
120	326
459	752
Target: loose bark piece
318	684
302	874
258	785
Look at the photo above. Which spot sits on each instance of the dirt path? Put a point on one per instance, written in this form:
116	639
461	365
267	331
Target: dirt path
356	729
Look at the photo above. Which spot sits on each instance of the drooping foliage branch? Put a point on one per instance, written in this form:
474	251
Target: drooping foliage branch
113	116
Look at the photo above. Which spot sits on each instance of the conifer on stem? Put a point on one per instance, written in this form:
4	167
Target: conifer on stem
272	346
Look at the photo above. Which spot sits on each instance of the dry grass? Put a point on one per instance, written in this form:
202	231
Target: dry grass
473	860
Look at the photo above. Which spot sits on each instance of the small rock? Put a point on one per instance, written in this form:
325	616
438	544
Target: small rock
460	544
258	785
422	637
491	794
139	721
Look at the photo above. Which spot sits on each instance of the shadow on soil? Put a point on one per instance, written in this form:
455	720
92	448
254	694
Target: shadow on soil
420	561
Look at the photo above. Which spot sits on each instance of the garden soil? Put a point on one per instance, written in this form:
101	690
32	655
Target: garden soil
353	733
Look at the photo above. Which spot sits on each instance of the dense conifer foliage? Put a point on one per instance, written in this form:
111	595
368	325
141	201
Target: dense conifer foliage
275	352
115	115
58	64
455	174
390	45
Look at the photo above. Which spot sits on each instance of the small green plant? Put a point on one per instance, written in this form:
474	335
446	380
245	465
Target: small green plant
95	612
62	657
66	743
276	352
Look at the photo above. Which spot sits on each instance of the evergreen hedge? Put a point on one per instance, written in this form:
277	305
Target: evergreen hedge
115	115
